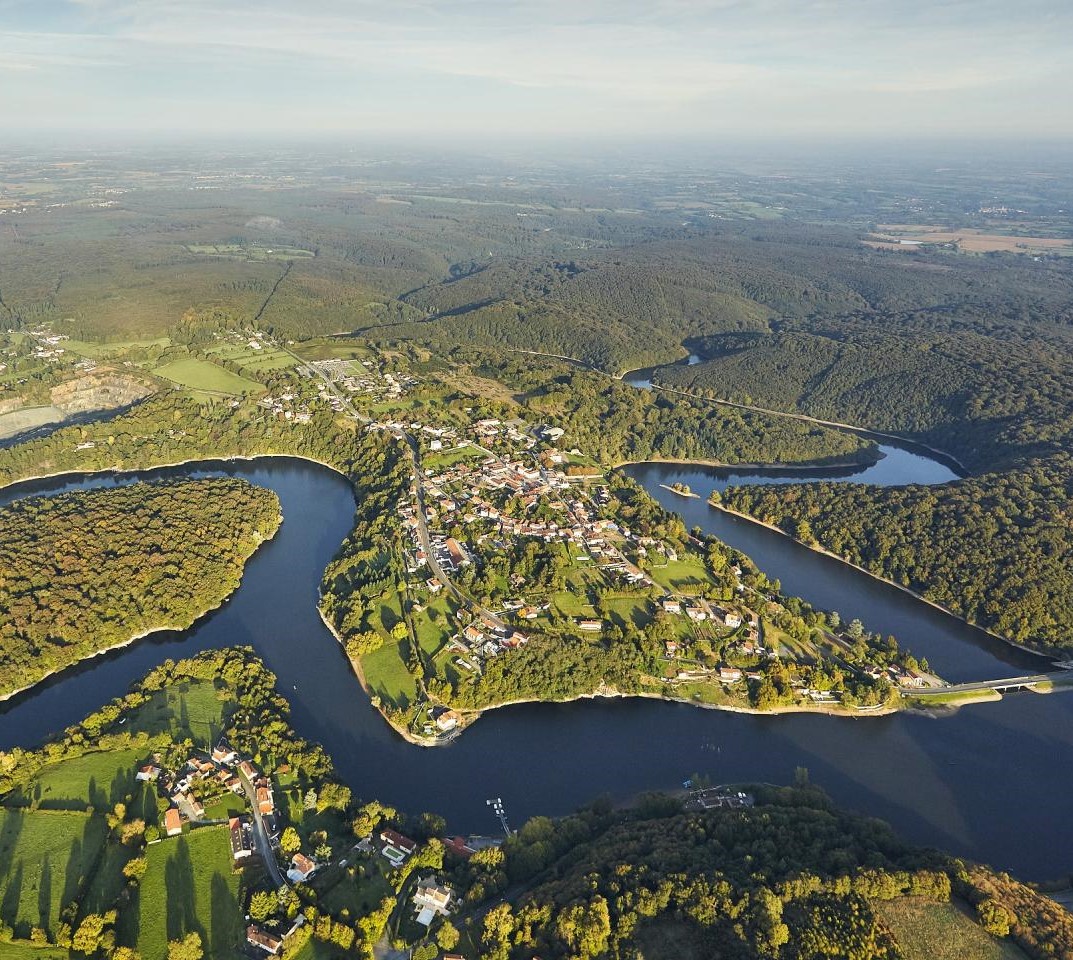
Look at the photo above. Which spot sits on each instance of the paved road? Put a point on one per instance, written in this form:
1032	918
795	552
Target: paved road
419	489
1007	684
261	840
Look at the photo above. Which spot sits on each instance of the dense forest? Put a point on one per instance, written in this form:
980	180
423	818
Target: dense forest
88	570
996	549
790	878
613	422
990	396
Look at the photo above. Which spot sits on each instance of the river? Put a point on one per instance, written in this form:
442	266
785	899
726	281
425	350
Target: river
991	782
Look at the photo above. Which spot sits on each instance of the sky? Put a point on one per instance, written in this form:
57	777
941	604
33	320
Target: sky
698	69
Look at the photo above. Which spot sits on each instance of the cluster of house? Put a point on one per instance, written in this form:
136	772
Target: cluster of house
510	431
287	407
221	770
698	609
485	637
361	376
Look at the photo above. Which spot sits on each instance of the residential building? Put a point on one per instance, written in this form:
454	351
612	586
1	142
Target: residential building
431	899
173	824
301	868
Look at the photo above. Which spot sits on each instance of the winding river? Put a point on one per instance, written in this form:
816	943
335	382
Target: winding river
992	782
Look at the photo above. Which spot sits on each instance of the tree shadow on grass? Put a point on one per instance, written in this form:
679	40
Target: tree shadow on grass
73	873
182	903
226	919
44	895
9	905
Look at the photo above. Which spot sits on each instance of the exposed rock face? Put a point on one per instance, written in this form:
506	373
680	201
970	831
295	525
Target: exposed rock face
100	390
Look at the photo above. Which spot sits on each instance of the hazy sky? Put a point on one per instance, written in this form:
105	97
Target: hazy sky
700	68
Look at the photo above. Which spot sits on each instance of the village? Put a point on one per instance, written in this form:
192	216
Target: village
193	794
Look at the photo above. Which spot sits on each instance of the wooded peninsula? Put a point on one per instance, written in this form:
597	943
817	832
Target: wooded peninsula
87	571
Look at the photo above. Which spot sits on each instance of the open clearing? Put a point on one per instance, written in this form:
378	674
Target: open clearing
204	375
250	251
940	931
101	780
185	710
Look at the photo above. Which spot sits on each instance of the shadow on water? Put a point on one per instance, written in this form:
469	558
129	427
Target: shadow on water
959	782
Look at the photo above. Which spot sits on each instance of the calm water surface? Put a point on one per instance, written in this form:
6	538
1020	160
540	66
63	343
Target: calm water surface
992	782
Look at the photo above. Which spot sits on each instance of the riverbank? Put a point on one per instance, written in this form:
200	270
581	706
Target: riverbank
470	717
816	548
869	458
148	632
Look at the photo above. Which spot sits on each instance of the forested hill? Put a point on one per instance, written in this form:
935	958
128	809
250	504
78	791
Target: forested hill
85	571
990	395
634	305
996	549
789	878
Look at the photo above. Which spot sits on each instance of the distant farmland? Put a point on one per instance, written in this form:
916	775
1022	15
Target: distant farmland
907	236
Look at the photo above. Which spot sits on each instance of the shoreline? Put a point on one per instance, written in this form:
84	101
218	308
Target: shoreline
171	464
470	717
148	632
1049	655
355	667
780	466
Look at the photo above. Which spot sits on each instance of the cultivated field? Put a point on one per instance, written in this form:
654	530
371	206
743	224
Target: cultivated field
902	236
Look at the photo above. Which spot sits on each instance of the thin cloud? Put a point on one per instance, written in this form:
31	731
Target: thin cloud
558	63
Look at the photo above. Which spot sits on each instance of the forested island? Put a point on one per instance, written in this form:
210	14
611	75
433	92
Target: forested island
87	571
187	819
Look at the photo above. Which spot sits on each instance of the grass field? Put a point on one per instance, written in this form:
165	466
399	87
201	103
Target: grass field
44	858
189	885
98	779
432	625
686	575
188	709
940	931
387	677
25	951
204	375
447	458
314	949
249	359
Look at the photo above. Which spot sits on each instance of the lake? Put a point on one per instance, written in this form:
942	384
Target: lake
991	782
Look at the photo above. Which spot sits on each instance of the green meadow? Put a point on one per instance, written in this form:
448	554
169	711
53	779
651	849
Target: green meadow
189	886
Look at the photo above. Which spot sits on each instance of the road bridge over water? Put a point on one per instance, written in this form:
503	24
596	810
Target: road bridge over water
1006	685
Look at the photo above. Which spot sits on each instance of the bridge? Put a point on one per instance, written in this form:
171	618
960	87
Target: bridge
1064	676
